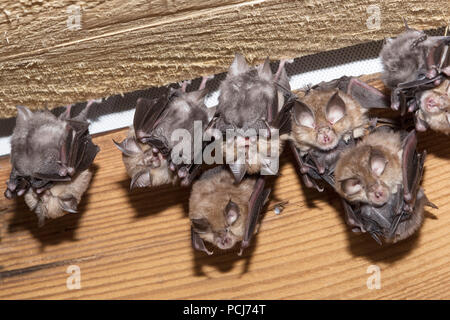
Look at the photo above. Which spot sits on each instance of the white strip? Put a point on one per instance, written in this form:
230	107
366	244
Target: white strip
125	118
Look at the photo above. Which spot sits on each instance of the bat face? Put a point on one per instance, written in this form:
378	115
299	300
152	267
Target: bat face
144	166
322	118
218	208
435	107
146	150
371	172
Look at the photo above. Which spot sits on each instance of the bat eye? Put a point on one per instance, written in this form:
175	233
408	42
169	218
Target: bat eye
377	162
200	225
303	116
231	212
351	186
335	109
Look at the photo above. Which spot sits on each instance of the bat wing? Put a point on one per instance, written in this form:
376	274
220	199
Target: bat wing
76	154
368	96
412	167
283	120
439	56
256	203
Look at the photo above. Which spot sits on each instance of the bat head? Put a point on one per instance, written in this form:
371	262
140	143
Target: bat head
218	209
435	108
371	171
322	118
145	167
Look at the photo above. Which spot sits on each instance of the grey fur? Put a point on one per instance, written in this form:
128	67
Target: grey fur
404	58
36	142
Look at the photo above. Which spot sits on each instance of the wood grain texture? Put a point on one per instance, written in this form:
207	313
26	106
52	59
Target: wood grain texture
126	46
137	245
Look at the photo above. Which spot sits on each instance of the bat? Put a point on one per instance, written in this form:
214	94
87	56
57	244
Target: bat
253	110
326	121
50	158
146	152
224	213
416	68
379	182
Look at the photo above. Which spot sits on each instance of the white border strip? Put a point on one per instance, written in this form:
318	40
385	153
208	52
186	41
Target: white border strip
125	118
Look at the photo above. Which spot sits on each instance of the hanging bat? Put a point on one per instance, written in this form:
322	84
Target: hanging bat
379	181
50	158
253	111
147	148
326	121
416	68
224	213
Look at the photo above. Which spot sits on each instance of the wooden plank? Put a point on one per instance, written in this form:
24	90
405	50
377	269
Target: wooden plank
136	245
125	46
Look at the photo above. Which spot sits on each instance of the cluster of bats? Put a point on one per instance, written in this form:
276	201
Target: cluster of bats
374	167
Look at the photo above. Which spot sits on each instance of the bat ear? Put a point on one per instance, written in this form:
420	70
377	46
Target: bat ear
377	162
283	79
23	115
351	186
447	115
238	66
303	116
200	225
140	180
264	71
129	147
335	108
421	125
68	203
231	212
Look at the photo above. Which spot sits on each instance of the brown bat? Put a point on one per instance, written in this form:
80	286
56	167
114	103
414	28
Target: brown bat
147	148
416	67
50	160
224	213
326	121
253	101
379	181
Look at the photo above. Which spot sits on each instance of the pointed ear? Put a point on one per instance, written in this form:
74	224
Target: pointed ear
447	115
303	116
238	66
232	212
264	71
140	180
201	225
351	186
335	108
283	79
23	115
129	147
377	162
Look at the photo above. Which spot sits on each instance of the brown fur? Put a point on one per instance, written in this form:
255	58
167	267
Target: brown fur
352	124
137	163
47	205
209	197
437	118
354	164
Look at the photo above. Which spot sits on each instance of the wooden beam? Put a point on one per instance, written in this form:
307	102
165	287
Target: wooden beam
126	46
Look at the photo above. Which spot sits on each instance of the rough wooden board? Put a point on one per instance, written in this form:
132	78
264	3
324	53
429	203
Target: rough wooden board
137	245
124	47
